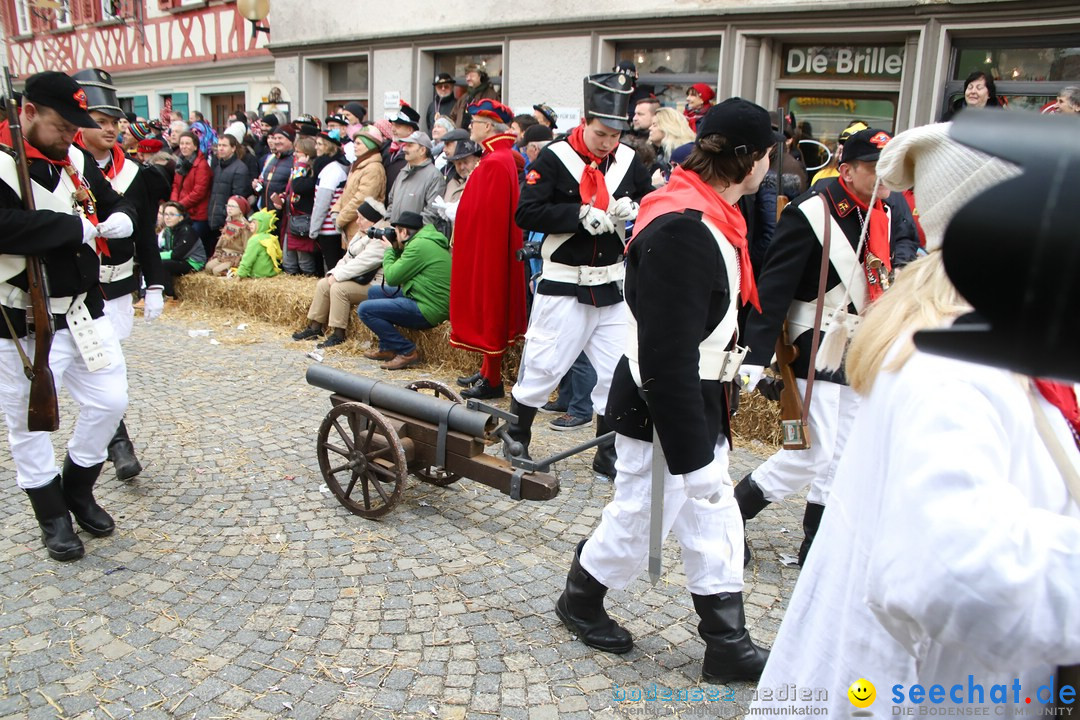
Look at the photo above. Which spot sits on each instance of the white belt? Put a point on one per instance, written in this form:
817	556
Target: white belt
801	317
586	275
116	273
83	332
722	366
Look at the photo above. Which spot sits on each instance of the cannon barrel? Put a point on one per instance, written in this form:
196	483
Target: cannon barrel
382	395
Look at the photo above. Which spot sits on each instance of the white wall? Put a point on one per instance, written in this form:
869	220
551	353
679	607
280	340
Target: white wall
527	86
392	71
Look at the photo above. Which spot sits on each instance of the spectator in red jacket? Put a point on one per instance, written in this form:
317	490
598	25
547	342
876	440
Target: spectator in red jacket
192	183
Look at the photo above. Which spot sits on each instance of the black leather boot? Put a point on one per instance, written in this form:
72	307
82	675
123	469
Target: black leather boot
730	654
581	608
603	462
122	455
522	430
79	494
751	501
57	534
811	520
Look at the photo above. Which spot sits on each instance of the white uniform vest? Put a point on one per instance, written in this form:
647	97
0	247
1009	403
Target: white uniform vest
844	260
614	176
120	183
715	361
62	200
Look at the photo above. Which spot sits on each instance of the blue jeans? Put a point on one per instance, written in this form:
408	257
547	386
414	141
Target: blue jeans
575	389
386	308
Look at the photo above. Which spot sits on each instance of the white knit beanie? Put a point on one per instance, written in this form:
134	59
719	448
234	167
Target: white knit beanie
237	129
944	173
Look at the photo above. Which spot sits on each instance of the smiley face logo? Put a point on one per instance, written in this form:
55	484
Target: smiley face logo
862	693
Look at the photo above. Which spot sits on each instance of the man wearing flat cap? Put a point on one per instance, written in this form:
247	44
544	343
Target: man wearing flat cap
478	86
78	214
487	284
132	259
580	192
687	272
789	282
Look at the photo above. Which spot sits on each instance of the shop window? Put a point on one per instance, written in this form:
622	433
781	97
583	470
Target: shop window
62	14
1027	73
347	80
348	76
670	68
488	59
1020	64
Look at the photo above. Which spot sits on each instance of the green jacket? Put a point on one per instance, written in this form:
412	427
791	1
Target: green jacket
422	271
262	256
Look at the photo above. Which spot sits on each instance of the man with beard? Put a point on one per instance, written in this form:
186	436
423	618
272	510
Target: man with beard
78	212
477	87
119	274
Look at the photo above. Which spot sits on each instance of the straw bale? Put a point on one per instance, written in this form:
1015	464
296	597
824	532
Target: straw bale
284	300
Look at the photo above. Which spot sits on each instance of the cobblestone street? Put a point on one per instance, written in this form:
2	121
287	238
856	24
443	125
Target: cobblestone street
236	586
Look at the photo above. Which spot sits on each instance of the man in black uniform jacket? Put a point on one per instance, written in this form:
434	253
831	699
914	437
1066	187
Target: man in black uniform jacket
686	267
579	192
71	196
130	259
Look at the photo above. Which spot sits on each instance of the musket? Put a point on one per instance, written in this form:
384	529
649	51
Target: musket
43	412
793	422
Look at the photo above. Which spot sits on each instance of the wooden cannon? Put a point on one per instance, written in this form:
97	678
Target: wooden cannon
376	434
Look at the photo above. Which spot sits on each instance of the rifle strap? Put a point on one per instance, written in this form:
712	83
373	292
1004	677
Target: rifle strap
819	310
28	367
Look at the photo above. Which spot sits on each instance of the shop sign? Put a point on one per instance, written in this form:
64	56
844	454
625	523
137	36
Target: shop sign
849	62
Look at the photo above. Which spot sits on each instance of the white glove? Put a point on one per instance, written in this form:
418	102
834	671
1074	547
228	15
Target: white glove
595	222
153	303
623	210
440	206
89	233
750	376
451	211
707	482
117	225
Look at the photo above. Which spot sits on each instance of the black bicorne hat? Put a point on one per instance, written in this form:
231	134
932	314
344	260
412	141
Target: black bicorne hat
607	99
1012	250
100	91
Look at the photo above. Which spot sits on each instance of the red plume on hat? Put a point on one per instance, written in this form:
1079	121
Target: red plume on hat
493	110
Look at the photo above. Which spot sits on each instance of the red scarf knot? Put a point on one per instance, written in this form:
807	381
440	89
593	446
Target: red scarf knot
687	191
877	243
593	187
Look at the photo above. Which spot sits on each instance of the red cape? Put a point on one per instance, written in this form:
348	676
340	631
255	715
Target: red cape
487	281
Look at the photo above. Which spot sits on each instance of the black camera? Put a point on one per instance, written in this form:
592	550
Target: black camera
530	251
388	233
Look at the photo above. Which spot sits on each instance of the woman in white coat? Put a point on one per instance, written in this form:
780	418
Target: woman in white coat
950	551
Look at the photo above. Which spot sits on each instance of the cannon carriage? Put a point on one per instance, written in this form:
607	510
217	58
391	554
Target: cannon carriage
376	434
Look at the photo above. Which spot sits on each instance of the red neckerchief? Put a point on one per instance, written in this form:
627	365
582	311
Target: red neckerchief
495	142
593	188
1063	397
686	190
82	192
877	240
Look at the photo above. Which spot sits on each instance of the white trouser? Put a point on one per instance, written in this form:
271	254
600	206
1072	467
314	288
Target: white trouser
121	313
832	410
711	534
560	328
102	398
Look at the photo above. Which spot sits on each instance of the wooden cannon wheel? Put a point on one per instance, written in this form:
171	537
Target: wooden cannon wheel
361	458
431	474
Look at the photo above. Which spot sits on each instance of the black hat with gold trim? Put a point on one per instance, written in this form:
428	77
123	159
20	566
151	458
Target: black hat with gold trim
607	99
100	92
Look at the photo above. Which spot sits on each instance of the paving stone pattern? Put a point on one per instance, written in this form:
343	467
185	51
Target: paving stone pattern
236	586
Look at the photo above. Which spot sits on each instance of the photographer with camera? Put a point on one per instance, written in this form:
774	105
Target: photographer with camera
415	292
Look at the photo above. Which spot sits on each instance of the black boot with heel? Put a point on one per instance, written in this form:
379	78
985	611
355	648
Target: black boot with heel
751	501
730	654
78	483
57	534
581	608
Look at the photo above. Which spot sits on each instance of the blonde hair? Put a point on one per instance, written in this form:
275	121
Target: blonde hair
921	297
675	128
